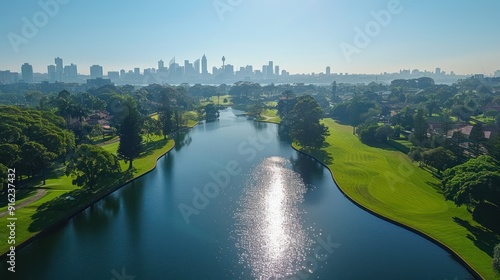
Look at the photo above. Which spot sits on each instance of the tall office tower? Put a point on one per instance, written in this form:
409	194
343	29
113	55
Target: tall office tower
197	67
122	73
204	69
438	71
161	66
70	73
137	71
27	73
270	69
264	70
51	71
59	69
276	70
95	71
328	70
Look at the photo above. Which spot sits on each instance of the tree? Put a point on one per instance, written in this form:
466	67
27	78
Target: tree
211	112
494	146
420	127
496	259
90	164
305	126
476	138
439	158
416	154
455	145
35	158
130	145
256	108
473	182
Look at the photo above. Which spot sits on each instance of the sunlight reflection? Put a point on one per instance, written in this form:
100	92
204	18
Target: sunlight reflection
269	232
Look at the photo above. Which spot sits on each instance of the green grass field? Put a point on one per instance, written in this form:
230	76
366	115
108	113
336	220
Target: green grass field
385	181
270	115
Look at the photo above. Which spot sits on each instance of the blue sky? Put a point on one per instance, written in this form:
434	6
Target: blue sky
299	36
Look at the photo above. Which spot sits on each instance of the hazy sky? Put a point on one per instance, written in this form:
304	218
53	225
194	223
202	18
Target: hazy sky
299	36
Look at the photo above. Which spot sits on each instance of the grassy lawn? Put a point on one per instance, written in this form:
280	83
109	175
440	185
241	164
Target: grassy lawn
55	206
219	100
386	182
270	115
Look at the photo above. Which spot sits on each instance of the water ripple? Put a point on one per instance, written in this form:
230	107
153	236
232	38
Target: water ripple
270	236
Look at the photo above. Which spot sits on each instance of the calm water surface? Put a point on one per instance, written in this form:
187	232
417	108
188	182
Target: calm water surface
232	201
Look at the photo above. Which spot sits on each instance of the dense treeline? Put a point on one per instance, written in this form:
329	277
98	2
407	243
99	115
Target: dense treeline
31	139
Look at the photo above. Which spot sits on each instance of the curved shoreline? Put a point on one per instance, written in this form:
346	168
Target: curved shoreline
448	249
62	221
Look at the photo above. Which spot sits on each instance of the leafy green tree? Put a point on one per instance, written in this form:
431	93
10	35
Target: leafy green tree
496	259
256	108
494	146
420	127
455	145
477	139
130	145
151	128
90	164
473	182
439	158
36	158
211	112
416	154
305	126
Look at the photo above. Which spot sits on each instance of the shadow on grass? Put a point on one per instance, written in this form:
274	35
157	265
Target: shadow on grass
320	154
483	238
66	205
151	147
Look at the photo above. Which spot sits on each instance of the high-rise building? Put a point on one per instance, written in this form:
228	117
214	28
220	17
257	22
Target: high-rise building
196	67
59	69
270	69
122	73
51	71
276	70
161	66
27	73
7	77
204	69
328	70
137	71
438	71
70	73
95	71
114	75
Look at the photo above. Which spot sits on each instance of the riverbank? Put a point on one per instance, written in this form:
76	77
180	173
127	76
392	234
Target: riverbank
64	200
386	183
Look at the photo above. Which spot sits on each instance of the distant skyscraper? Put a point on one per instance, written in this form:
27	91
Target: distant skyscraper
438	71
51	71
95	71
204	69
161	66
270	69
276	70
27	73
328	70
59	69
137	71
70	73
113	75
197	67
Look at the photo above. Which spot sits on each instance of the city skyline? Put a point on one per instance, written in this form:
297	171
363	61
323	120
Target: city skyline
350	37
